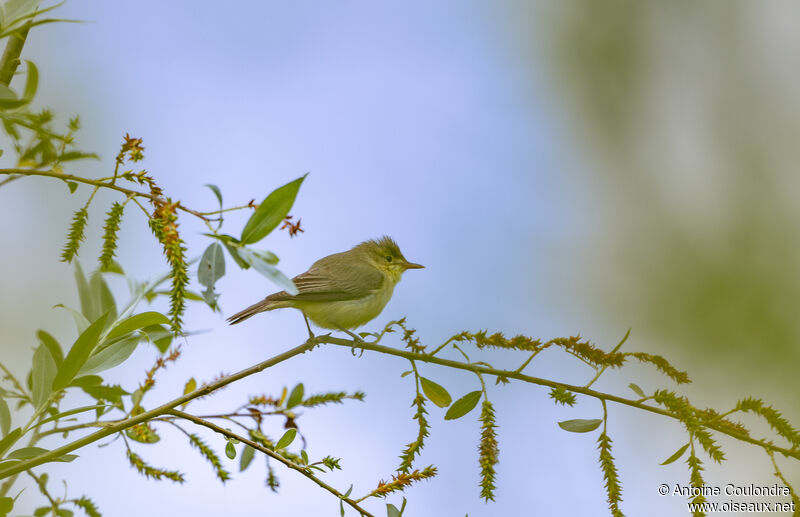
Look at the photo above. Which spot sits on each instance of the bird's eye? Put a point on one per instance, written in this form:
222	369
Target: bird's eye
388	258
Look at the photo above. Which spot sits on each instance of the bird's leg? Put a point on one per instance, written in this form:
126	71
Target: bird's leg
310	334
357	340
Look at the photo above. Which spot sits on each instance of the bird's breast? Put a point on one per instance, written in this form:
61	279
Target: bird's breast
349	314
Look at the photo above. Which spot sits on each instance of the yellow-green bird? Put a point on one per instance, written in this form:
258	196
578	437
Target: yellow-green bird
344	290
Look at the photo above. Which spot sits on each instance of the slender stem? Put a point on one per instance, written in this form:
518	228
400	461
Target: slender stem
427	358
272	454
43	489
97	183
16	383
605	366
780	476
161	410
216	212
529	359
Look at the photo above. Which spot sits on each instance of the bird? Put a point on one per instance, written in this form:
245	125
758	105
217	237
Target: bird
342	291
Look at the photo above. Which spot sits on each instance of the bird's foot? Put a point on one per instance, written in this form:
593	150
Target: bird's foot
357	341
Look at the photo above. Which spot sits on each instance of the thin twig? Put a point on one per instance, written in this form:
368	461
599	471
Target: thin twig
97	183
272	454
475	368
161	410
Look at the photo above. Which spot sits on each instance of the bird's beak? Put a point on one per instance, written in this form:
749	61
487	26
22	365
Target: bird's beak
411	265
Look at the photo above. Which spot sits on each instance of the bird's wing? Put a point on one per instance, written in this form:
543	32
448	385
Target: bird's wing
326	282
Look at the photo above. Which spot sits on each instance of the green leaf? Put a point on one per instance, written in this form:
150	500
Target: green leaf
81	323
261	262
79	353
234	251
136	322
9	100
286	439
52	345
84	294
247	456
159	336
72	186
190	386
230	450
212	265
70	156
580	425
112	394
5	418
675	456
103	299
44	371
217	192
463	405
26	453
95	296
304	455
271	212
295	397
6	505
9	440
111	356
86	380
392	511
636	389
407	372
435	393
31	82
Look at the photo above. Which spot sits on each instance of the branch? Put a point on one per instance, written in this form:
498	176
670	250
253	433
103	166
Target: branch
274	455
161	410
16	173
10	60
477	368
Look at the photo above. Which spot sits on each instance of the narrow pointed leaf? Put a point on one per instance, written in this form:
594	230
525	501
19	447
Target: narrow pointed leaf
286	439
9	440
79	353
675	456
296	396
52	345
212	265
435	393
217	192
81	323
261	262
463	405
43	373
5	418
247	457
271	212
580	425
136	322
111	356
636	389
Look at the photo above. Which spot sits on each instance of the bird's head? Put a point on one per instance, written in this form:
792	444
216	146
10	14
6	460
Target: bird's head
385	255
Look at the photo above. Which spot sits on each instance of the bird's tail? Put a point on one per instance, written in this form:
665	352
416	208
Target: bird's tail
264	305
